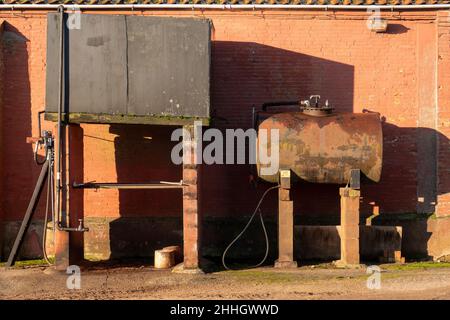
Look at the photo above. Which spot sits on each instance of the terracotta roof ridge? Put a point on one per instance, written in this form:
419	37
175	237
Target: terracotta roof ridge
234	2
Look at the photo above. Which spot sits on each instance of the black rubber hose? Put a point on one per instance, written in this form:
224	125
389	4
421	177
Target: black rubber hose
35	154
257	209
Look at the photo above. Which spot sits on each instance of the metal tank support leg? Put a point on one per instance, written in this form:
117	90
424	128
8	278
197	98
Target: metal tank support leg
350	222
285	223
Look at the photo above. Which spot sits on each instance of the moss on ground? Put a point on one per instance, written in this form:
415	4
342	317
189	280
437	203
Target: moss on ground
416	266
29	263
269	276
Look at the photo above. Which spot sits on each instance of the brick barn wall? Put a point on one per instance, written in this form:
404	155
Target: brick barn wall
257	56
443	123
23	43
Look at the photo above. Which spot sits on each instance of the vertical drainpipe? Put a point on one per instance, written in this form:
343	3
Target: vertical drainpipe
61	88
1	142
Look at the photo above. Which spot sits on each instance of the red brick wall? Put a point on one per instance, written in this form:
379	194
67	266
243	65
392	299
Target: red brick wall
443	123
23	85
256	57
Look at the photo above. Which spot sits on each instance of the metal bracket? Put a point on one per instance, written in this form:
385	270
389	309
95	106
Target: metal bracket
285	179
80	228
355	179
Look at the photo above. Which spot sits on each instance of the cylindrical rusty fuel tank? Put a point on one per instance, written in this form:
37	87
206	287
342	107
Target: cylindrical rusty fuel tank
325	149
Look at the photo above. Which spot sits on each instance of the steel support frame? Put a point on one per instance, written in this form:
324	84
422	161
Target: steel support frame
29	214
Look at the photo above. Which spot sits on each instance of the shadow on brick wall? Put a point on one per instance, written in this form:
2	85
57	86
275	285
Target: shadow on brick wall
18	168
410	178
150	219
243	74
247	74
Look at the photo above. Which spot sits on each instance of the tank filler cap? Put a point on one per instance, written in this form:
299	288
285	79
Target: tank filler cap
312	107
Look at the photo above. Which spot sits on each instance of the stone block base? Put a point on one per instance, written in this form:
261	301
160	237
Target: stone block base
181	269
285	264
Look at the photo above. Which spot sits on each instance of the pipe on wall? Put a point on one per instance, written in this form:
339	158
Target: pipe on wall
220	7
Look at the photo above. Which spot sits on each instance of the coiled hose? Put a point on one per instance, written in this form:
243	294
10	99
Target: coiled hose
257	209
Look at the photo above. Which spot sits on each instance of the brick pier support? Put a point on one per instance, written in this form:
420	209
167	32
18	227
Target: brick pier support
349	227
285	223
191	205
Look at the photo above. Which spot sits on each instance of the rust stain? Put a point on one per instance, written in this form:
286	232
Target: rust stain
325	149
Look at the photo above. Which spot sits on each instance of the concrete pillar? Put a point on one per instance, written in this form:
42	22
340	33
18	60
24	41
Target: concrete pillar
285	223
349	227
191	204
69	246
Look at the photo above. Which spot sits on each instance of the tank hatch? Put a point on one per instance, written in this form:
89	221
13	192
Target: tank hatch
313	107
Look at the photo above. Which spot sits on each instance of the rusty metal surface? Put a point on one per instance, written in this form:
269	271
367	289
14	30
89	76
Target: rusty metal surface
325	149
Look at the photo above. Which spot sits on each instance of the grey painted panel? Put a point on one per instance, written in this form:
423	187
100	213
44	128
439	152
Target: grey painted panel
132	65
96	69
51	96
168	66
98	65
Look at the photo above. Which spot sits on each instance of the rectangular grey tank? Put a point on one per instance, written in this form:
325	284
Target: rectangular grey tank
131	69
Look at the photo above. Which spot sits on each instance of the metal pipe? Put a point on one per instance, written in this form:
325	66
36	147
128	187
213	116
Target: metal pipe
40	113
221	6
130	186
60	107
279	104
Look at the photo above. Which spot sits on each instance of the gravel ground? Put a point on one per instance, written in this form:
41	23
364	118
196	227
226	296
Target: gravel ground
40	282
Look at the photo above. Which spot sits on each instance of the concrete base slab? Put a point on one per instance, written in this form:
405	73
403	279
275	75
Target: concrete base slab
285	264
179	268
343	265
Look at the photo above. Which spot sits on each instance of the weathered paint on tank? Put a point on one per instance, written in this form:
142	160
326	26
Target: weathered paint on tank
325	149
